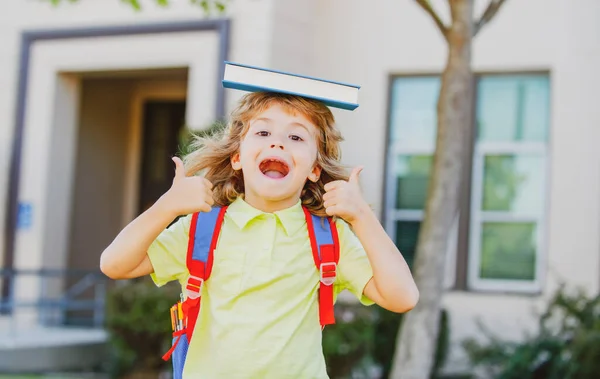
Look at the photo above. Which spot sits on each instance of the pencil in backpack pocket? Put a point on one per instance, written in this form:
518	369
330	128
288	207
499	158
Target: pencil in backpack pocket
179	342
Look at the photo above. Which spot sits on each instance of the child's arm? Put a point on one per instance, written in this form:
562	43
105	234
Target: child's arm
126	256
392	285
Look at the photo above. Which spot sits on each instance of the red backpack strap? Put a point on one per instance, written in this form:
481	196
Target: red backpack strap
325	245
205	229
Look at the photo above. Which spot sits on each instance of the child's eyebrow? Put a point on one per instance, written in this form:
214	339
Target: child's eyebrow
295	123
301	125
265	119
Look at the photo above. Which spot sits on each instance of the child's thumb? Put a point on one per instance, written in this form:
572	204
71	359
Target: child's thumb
354	174
179	170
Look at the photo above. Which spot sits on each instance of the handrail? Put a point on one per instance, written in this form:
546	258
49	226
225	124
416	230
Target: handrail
48	272
64	302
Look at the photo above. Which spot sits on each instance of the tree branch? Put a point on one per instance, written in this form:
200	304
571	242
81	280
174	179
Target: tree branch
438	21
487	15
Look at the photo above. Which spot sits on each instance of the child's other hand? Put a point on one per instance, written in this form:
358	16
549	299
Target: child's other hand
344	199
188	194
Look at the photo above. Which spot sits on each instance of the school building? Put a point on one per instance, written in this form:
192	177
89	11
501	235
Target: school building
95	96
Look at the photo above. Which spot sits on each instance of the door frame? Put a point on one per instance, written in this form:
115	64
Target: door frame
166	91
28	39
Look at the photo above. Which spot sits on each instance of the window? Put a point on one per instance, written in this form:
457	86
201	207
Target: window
412	143
509	173
509	181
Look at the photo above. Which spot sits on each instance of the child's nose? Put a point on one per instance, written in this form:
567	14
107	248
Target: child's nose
277	145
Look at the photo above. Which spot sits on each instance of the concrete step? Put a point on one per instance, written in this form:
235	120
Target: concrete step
41	349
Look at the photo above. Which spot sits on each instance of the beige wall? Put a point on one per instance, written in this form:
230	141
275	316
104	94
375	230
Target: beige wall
294	36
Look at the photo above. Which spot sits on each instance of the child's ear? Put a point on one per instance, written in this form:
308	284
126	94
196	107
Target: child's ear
235	162
315	174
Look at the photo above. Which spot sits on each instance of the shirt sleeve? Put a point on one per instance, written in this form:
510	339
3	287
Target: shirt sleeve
168	251
354	269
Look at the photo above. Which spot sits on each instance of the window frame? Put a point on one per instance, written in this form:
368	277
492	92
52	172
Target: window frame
467	234
391	214
478	217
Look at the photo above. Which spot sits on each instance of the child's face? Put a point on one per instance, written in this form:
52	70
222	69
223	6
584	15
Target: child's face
277	155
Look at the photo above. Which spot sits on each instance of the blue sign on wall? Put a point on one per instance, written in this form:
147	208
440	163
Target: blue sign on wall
25	216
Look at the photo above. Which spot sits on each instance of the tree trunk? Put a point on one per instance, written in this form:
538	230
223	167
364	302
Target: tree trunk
418	335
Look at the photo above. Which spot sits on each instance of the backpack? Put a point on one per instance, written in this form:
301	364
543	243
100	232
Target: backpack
205	228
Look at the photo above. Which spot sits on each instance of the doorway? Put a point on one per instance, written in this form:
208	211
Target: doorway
129	128
162	127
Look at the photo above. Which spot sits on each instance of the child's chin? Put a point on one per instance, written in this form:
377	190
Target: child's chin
276	192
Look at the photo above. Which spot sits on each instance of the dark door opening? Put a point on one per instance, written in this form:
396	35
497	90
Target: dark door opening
163	124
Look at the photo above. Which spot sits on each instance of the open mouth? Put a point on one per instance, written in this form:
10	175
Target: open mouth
275	168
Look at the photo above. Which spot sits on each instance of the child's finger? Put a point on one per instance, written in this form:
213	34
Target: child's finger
329	194
205	207
333	185
354	174
329	203
179	170
332	210
208	184
210	200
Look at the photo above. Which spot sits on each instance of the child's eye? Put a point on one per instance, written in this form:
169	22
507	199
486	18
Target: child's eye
263	133
296	138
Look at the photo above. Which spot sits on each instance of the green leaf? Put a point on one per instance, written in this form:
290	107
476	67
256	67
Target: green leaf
57	2
220	6
205	6
134	3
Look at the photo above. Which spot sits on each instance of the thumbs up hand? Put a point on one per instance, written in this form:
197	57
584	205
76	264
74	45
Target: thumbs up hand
188	194
344	199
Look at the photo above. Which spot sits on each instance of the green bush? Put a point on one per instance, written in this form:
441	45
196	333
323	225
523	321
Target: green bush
139	326
347	345
565	346
387	325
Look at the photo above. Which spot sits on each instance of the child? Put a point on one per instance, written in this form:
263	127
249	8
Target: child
259	316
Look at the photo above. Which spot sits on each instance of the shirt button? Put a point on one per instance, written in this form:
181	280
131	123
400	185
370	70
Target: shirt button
266	248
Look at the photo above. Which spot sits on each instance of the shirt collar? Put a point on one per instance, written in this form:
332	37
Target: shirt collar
291	218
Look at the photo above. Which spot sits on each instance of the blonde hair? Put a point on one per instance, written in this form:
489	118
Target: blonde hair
211	156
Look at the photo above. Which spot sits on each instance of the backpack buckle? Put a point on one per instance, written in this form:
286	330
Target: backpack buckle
327	272
194	287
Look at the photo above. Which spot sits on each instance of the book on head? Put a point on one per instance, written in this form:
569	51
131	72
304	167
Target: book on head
255	79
